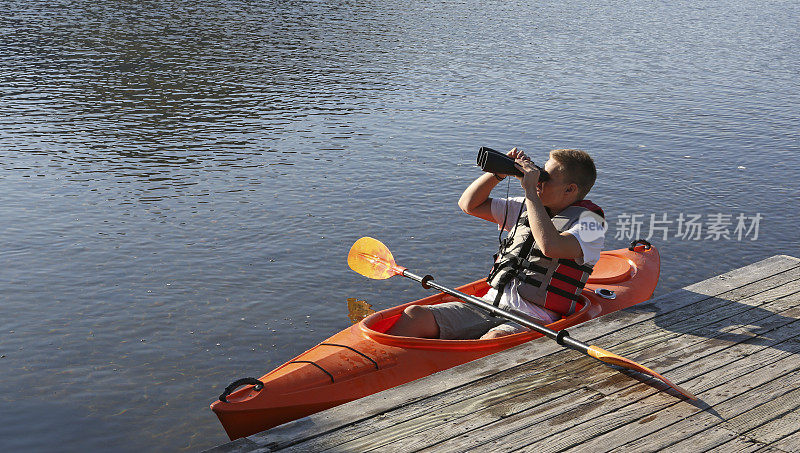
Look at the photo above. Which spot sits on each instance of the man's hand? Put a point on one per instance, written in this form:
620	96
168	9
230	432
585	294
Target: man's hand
514	154
530	175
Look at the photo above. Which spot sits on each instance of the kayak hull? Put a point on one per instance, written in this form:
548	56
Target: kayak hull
362	359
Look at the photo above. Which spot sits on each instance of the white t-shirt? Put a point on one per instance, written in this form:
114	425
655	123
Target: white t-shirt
511	299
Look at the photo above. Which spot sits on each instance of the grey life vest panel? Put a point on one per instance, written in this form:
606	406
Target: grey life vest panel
555	284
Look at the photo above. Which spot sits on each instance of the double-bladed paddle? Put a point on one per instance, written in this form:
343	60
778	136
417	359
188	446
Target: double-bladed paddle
370	258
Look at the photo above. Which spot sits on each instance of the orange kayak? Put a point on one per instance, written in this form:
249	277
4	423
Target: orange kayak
362	359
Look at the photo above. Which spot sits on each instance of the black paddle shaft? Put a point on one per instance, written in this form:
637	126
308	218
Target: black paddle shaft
561	337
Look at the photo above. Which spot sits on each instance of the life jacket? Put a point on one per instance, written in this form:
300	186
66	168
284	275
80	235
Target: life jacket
554	284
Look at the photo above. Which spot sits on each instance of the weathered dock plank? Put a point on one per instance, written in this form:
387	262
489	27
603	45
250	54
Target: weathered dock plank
625	408
790	443
765	400
716	370
659	429
488	414
734	340
779	428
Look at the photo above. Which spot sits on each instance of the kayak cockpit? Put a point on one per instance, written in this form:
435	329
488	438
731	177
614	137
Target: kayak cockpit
375	326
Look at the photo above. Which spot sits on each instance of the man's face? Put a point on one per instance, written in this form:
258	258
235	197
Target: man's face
553	191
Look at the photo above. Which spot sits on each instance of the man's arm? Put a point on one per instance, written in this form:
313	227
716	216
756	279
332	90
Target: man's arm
475	200
552	243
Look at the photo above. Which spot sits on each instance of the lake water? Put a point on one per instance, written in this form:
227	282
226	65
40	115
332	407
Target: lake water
180	182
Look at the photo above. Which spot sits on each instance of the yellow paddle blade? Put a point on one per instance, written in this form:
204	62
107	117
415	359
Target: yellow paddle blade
370	258
609	357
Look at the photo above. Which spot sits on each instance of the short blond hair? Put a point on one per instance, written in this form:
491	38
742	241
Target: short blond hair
578	168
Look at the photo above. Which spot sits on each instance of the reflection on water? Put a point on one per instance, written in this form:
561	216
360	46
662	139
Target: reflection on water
179	185
358	309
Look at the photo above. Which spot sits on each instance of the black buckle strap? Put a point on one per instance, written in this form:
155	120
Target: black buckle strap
497	297
568	279
527	265
562	293
497	267
530	280
501	286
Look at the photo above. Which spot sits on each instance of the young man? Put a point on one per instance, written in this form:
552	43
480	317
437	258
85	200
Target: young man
555	237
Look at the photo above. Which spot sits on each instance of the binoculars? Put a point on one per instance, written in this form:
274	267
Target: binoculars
496	162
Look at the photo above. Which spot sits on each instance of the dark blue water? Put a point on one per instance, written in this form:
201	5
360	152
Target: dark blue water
180	182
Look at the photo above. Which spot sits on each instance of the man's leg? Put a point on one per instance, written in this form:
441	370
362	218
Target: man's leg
448	321
416	321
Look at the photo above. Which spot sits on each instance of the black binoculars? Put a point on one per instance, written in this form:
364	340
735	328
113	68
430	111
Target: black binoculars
493	161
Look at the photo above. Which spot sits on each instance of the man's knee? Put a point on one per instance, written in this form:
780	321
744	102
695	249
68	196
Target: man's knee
417	321
418	312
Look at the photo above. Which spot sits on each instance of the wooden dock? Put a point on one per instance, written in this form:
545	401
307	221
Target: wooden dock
733	340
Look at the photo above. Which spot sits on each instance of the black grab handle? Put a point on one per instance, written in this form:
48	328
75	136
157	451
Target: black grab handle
646	244
236	384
